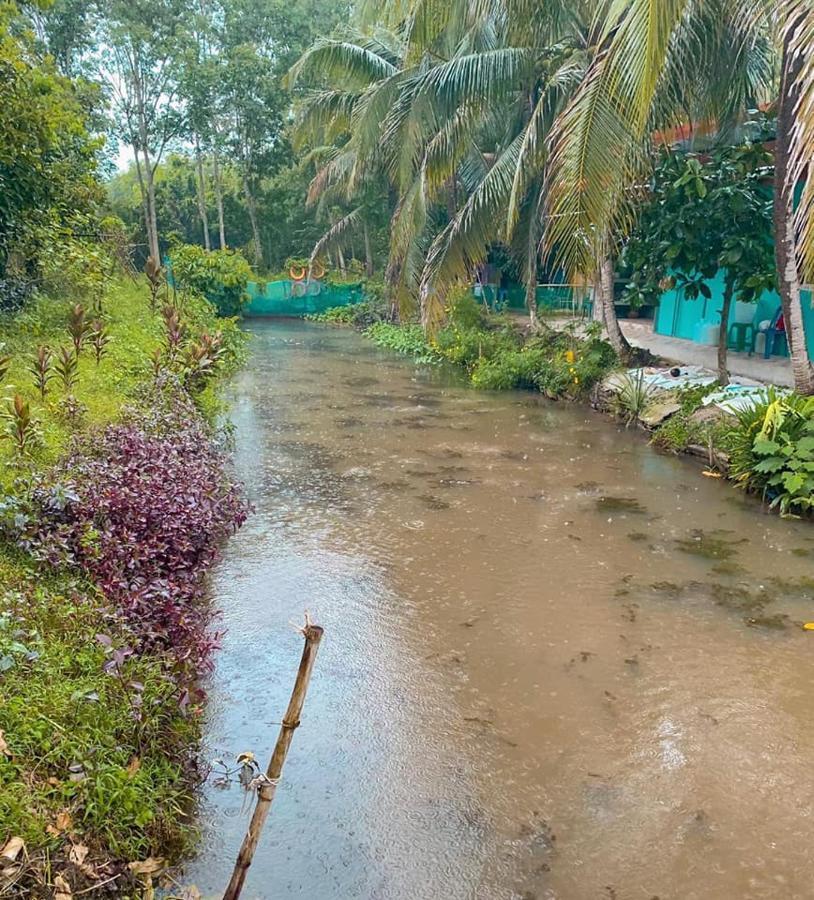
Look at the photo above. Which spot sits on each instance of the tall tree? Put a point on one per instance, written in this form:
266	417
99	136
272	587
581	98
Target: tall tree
144	41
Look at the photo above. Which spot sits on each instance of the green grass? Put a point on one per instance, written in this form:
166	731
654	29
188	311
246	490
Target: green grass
681	430
76	743
102	389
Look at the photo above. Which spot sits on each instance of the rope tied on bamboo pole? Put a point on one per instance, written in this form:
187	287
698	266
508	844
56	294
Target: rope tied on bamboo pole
266	784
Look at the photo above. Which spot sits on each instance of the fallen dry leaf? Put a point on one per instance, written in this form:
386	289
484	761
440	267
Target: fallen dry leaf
63	820
189	893
11	849
62	890
149	866
3	745
53	830
78	854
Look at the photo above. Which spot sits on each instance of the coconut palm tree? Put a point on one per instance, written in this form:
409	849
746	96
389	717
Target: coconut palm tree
515	91
456	113
664	62
385	126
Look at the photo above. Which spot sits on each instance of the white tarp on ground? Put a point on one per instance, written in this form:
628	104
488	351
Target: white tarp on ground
663	379
738	395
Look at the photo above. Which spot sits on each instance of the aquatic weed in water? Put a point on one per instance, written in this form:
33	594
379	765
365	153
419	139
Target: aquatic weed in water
620	505
708	545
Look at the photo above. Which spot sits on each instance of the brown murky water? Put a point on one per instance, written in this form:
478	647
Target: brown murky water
557	664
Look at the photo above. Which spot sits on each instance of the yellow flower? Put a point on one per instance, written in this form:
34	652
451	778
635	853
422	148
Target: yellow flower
569	356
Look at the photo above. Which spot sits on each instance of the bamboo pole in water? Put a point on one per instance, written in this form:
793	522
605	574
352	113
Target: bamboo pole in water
265	794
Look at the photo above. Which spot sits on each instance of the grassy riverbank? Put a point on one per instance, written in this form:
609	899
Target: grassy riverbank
110	518
768	449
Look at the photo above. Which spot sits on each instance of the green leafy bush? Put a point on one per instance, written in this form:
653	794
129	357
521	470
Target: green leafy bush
573	364
509	369
336	315
681	429
772	451
408	339
464	311
219	275
468	346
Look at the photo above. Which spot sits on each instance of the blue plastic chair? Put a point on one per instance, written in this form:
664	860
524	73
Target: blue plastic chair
773	332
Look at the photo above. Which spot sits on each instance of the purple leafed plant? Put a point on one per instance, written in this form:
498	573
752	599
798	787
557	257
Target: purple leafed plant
148	505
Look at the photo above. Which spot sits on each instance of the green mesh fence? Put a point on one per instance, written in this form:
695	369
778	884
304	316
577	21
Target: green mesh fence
554	297
292	298
298	298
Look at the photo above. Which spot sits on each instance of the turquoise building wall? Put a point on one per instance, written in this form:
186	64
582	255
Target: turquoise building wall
676	316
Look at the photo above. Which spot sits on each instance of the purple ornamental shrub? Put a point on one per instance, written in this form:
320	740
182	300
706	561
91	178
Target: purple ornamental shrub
145	506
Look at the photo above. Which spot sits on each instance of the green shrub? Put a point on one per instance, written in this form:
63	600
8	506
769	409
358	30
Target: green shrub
772	451
681	430
573	365
467	346
464	311
407	339
336	315
633	397
219	275
509	369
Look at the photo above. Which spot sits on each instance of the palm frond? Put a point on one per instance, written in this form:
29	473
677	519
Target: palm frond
350	64
465	240
324	115
336	171
534	149
334	235
494	74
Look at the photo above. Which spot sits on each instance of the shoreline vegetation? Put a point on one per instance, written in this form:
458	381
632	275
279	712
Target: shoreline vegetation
767	449
116	499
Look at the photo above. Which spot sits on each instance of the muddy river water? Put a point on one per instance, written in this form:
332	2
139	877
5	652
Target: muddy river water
557	664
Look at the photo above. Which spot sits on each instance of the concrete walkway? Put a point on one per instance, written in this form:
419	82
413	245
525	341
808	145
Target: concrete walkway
776	370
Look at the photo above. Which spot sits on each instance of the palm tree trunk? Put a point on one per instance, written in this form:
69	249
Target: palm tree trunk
598	307
531	303
202	196
785	243
368	254
723	335
531	274
219	198
617	340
